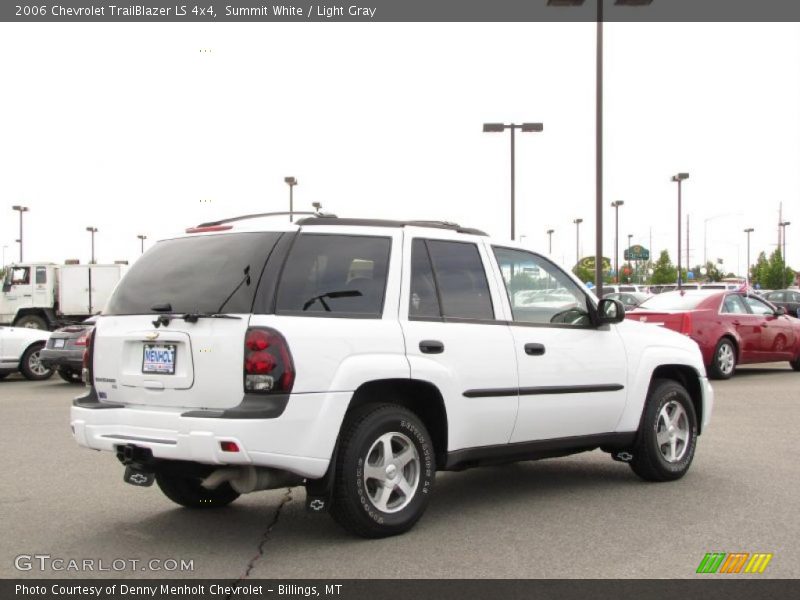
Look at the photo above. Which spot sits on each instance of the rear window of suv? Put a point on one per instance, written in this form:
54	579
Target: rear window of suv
203	274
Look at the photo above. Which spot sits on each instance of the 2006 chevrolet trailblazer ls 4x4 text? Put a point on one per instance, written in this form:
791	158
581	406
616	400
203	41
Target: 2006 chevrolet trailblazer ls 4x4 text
358	357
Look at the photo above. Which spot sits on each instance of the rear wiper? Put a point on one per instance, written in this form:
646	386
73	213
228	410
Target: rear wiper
190	318
193	317
321	298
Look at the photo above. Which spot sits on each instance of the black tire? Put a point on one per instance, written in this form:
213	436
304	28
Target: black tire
649	461
4	374
355	494
69	375
188	492
795	363
30	366
32	322
720	367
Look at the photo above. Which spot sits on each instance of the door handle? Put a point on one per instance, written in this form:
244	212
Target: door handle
736	323
534	349
431	347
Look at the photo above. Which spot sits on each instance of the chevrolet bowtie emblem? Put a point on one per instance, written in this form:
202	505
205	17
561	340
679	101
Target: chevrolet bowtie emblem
152	335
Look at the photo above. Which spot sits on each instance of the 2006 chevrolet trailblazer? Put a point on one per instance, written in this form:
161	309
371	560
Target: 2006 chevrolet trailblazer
358	357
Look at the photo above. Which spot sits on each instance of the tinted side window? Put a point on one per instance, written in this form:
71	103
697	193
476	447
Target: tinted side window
461	280
423	299
335	276
539	292
41	275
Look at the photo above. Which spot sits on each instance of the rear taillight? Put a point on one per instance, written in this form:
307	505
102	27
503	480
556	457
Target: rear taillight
88	359
81	341
686	324
268	365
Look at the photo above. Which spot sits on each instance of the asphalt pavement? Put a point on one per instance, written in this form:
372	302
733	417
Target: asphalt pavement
575	517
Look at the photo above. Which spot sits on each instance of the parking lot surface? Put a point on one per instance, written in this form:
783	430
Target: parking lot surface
580	516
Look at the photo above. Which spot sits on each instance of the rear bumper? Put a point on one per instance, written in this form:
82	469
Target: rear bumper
300	441
62	358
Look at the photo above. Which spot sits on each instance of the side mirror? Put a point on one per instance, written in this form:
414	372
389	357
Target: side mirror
6	287
610	311
780	311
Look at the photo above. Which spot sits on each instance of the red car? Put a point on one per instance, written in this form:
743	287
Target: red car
730	327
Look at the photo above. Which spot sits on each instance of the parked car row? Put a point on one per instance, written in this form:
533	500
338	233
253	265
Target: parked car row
731	328
20	350
37	353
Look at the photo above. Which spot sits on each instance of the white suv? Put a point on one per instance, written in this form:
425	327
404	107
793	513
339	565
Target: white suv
358	357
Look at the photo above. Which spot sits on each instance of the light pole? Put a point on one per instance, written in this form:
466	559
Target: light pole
525	128
598	268
577	241
630	236
615	205
142	238
679	178
550	240
784	225
92	230
20	209
291	182
4	256
748	231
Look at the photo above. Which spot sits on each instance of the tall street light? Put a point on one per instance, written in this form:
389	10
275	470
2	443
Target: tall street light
598	268
784	225
577	240
679	178
630	236
550	240
92	230
20	209
291	182
525	128
142	238
748	231
615	205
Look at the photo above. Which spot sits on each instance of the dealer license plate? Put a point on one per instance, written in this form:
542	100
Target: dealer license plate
159	358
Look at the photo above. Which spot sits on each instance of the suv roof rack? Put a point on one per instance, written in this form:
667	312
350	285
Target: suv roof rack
268	214
334	220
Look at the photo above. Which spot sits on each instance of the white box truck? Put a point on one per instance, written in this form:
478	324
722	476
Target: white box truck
47	296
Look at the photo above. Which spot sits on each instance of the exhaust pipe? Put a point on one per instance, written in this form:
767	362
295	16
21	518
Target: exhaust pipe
251	479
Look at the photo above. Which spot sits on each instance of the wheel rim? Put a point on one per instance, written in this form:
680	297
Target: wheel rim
35	364
31	325
391	472
725	359
673	432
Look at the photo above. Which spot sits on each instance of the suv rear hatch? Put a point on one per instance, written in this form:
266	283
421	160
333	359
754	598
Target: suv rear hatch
173	332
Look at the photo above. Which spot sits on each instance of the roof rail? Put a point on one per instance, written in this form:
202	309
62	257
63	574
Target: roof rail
333	220
269	214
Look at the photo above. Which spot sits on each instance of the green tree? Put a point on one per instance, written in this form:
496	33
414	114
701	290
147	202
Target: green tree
582	273
760	271
778	275
663	270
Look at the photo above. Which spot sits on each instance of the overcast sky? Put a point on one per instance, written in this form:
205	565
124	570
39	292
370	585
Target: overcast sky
133	129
